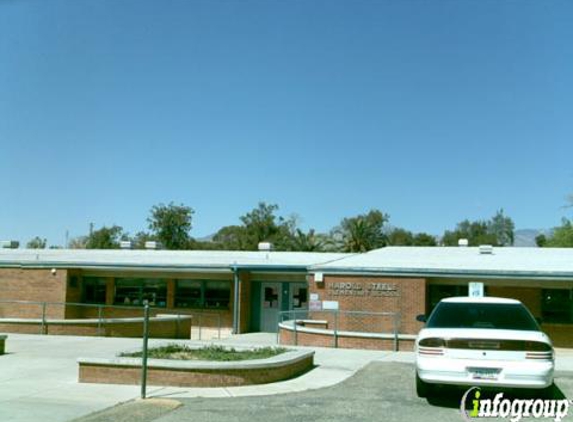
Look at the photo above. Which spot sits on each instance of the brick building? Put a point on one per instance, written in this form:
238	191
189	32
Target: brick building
247	290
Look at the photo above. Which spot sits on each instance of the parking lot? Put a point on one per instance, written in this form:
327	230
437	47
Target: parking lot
382	391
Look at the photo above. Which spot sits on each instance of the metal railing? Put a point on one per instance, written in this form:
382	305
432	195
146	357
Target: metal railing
341	323
204	325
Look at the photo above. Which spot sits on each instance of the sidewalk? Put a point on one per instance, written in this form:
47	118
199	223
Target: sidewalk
38	376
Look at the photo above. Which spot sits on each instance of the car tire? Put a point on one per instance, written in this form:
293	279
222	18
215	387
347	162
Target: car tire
423	389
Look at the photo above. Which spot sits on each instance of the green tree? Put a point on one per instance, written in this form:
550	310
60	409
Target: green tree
424	239
498	231
37	243
502	228
363	232
562	236
104	238
232	238
171	225
541	240
400	237
307	242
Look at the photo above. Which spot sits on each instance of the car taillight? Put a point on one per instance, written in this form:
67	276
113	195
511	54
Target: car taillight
431	346
538	350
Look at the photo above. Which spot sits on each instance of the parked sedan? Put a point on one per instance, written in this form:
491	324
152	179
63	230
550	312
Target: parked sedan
483	341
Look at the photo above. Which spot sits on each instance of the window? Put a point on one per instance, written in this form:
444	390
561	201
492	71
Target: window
299	297
482	315
94	289
217	294
557	305
133	291
189	294
202	294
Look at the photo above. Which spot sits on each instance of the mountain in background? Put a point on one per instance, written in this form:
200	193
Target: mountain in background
526	237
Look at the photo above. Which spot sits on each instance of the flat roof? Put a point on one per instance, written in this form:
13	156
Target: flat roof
503	262
163	259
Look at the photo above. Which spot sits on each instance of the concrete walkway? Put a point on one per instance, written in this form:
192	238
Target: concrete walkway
38	376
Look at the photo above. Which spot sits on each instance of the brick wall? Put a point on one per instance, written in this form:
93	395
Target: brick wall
406	296
157	329
193	377
287	338
32	285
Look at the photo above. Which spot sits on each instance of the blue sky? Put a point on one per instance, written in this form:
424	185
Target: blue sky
432	111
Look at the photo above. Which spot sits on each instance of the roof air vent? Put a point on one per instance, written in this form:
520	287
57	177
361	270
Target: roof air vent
9	244
265	246
126	244
486	250
151	244
463	242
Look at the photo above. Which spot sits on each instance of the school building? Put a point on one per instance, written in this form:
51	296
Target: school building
248	290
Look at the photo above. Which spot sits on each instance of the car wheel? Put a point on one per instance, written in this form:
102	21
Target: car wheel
423	389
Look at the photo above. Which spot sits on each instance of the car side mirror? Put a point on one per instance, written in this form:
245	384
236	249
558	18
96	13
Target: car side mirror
421	318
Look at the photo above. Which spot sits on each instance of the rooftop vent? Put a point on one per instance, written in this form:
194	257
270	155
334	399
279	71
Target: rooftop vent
9	244
486	249
126	244
152	245
265	246
463	242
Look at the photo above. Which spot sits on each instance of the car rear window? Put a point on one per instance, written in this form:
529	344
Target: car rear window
482	315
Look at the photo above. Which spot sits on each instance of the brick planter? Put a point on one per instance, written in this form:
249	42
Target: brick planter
176	373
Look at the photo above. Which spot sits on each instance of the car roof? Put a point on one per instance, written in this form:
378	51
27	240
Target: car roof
487	299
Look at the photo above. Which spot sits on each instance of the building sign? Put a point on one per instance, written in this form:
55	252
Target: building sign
475	289
363	289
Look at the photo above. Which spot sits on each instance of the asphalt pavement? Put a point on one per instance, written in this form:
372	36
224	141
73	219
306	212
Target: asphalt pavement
382	391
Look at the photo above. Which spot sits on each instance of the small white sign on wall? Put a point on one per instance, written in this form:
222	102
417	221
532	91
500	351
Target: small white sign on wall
475	289
314	296
331	305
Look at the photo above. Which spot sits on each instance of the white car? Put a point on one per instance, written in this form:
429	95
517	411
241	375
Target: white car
482	341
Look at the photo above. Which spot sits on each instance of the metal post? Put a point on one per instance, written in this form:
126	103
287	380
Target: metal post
144	355
43	318
335	329
295	332
236	313
219	326
395	331
99	320
200	325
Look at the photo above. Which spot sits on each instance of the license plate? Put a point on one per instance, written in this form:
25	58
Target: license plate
484	373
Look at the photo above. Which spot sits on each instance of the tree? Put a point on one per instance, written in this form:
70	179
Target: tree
400	237
502	228
307	242
562	236
37	243
425	239
232	238
79	242
138	241
171	225
104	238
363	232
541	240
498	231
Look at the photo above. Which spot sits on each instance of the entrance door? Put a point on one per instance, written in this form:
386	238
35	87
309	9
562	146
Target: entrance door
270	306
299	300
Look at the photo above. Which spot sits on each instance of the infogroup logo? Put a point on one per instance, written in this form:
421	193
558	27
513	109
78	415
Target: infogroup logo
514	409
